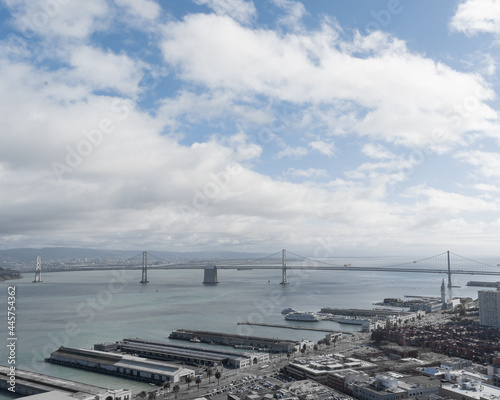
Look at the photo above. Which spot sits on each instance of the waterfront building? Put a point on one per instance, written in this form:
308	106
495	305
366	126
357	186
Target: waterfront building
192	355
124	366
240	341
36	386
489	308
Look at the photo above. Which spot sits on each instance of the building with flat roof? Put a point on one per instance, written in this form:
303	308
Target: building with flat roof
470	391
489	308
393	386
38	386
122	365
193	355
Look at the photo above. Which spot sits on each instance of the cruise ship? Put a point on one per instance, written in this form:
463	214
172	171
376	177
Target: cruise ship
302	316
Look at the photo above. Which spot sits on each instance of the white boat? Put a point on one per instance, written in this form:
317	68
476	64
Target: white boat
302	316
288	311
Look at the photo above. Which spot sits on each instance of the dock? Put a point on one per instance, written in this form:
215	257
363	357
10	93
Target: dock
483	284
300	328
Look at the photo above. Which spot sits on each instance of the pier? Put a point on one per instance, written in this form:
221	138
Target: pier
31	383
300	328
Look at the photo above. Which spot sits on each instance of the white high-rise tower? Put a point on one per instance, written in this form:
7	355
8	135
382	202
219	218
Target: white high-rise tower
443	294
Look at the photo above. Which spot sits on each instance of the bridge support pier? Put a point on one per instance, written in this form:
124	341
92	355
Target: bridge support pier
38	270
144	267
449	272
283	268
210	275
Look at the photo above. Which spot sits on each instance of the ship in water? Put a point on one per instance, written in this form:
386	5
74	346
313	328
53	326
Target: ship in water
302	316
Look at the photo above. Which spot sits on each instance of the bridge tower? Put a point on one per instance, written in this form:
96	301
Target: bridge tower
449	271
38	270
283	267
144	267
210	275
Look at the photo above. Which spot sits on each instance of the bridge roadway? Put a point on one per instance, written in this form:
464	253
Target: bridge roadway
278	267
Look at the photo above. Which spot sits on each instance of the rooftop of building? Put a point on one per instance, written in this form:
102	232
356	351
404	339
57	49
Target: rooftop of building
478	391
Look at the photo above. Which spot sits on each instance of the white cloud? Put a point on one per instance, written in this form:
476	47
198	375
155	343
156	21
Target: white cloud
487	163
377	151
144	9
475	16
439	202
105	70
310	68
326	148
307	173
69	19
152	181
240	10
294	152
294	12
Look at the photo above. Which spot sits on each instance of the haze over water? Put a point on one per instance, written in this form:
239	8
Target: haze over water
109	306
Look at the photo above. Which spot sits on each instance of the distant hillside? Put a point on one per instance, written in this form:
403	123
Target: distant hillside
7	274
65	254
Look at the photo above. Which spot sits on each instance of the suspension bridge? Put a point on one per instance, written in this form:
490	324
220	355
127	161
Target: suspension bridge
447	263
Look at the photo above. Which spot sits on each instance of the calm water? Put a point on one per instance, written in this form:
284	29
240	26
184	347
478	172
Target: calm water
78	309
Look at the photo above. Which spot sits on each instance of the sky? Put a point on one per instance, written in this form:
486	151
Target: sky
324	127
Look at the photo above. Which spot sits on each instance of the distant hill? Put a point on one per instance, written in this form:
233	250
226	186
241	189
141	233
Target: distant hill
7	274
65	254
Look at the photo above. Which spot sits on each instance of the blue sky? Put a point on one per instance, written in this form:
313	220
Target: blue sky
367	127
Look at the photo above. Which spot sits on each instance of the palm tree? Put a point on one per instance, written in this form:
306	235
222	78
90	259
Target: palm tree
176	389
210	372
198	381
218	374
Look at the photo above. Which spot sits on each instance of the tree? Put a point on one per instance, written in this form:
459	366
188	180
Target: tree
315	347
142	395
210	372
176	390
152	396
288	355
166	385
218	374
198	381
303	350
189	379
335	340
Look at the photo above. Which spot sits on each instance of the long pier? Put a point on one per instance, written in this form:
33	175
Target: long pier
300	328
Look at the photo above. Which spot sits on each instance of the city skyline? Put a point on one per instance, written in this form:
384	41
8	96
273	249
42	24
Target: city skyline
369	128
